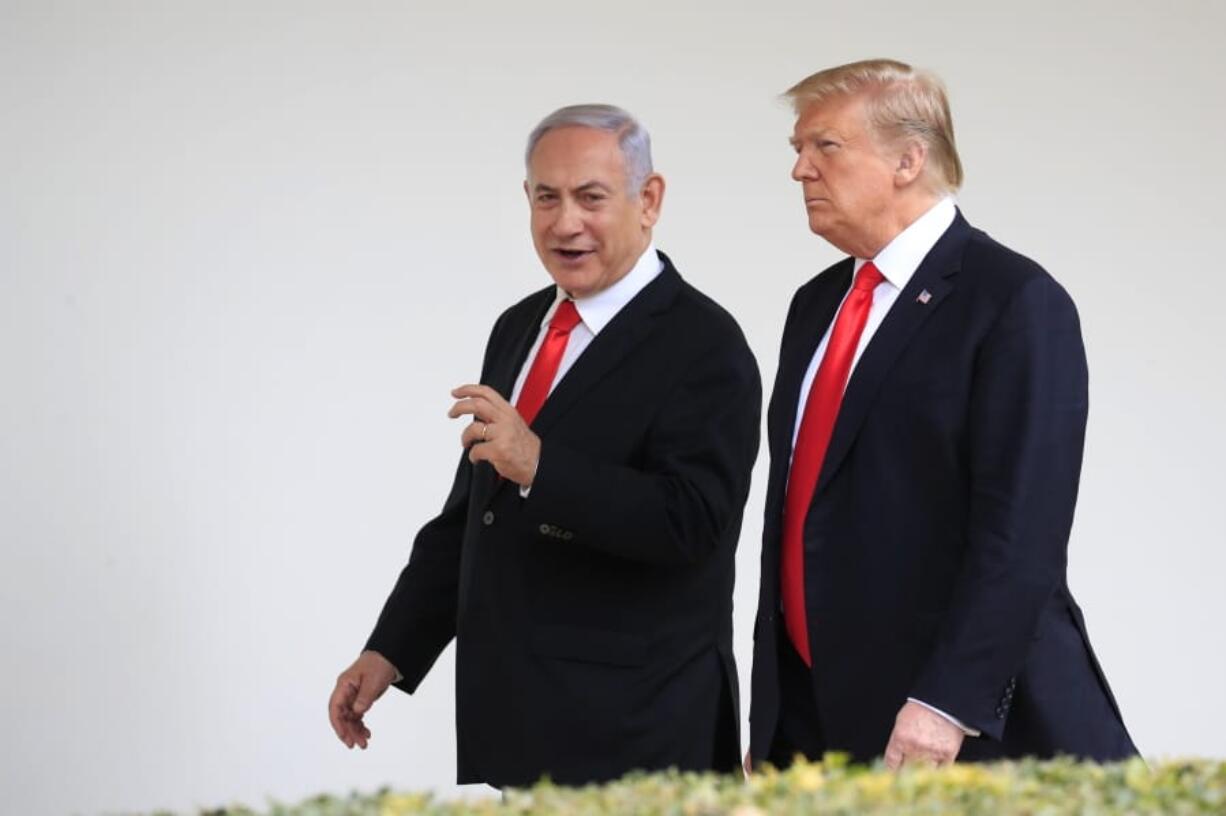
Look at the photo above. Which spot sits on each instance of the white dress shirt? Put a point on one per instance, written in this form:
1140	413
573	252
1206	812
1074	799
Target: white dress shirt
897	262
595	312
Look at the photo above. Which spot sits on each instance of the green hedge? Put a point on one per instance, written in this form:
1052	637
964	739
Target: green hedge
1048	788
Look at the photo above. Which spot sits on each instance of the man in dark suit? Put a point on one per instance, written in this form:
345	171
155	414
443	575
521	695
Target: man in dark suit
583	560
926	433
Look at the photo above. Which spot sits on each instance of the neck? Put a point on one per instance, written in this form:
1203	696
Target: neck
906	212
638	253
642	247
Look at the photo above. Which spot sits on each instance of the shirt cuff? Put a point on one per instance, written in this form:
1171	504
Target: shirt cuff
967	730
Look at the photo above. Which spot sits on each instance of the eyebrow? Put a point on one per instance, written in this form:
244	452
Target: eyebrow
815	134
584	187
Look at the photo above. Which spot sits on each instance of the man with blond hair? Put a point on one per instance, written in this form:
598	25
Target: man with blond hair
583	561
926	434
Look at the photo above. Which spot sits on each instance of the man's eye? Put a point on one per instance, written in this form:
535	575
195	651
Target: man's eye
827	145
593	198
545	198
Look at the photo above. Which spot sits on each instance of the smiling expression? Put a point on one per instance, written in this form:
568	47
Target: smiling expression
587	227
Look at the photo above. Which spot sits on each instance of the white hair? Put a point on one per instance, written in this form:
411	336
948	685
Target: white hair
632	137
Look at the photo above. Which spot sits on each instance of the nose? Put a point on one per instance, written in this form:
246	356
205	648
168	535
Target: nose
804	169
569	221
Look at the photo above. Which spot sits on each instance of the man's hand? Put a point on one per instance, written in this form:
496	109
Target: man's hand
356	691
748	763
921	735
498	434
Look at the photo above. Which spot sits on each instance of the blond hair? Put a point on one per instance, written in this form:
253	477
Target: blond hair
901	103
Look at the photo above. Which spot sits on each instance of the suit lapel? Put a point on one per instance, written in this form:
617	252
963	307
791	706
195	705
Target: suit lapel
935	276
505	368
803	332
622	335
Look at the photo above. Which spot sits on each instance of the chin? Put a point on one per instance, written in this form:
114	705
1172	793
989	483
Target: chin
825	224
819	226
576	283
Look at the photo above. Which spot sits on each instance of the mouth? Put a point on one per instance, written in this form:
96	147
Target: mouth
812	201
572	255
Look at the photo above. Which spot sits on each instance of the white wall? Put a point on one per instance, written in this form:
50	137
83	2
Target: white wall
246	248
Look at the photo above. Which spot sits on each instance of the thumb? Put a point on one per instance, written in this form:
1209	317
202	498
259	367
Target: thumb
366	696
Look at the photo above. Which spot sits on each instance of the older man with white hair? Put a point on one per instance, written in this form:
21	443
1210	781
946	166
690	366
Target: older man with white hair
925	436
583	561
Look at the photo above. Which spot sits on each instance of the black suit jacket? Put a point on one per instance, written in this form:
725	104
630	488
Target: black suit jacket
593	620
936	541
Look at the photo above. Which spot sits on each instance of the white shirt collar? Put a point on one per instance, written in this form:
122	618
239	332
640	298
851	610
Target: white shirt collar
903	255
597	310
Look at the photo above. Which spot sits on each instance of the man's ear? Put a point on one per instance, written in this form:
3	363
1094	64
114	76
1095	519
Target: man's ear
652	197
527	192
911	163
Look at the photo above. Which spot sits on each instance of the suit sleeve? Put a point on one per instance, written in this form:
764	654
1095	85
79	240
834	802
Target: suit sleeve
419	617
674	506
1027	416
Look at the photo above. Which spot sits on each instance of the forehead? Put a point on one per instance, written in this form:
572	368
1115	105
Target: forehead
842	114
575	154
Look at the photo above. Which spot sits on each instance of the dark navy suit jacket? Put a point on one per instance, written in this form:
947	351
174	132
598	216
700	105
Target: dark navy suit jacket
593	620
935	545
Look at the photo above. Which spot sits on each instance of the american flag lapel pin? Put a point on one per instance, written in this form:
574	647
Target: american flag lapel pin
924	297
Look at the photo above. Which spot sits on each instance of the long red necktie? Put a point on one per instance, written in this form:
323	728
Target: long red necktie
821	410
548	358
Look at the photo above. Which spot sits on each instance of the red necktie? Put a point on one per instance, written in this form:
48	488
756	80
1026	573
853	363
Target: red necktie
821	410
548	358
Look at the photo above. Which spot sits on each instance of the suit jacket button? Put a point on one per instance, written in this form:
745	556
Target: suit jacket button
488	518
1000	712
544	528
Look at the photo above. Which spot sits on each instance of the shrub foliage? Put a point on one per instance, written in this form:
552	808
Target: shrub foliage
1030	787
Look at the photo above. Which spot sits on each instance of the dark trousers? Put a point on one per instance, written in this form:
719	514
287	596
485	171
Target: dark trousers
799	729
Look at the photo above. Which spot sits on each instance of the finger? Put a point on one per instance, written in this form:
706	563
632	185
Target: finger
475	406
894	756
354	728
464	406
476	432
339	706
480	453
481	391
365	698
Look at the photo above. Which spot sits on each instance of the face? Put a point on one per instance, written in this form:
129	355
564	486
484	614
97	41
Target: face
850	182
587	227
